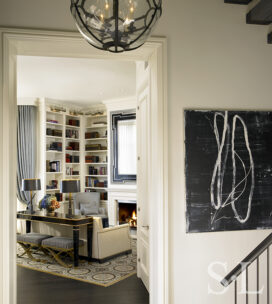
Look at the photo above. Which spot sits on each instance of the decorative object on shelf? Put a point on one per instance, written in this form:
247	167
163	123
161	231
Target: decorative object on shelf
75	112
31	184
57	109
96	113
53	184
70	186
114	25
49	203
99	124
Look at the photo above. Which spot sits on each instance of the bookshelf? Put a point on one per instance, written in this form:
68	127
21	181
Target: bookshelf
54	165
96	155
63	150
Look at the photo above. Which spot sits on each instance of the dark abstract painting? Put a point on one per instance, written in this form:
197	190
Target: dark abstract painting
228	169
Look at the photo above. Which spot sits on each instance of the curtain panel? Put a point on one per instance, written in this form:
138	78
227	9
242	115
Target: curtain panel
26	148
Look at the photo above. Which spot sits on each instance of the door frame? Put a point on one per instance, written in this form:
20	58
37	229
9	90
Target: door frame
30	42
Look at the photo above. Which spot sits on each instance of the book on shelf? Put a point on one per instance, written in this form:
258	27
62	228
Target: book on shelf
97	171
92	147
89	135
73	122
103	195
72	133
72	158
93	182
92	159
53	166
52	121
73	145
53	132
55	146
70	171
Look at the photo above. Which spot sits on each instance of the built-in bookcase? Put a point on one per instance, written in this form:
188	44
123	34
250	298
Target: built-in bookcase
73	147
96	155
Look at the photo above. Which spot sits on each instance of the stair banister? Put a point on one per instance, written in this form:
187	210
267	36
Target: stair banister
255	253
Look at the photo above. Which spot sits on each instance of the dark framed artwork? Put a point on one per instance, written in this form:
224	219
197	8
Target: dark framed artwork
228	170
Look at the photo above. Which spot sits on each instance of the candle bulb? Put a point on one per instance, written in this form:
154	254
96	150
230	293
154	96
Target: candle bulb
131	11
107	9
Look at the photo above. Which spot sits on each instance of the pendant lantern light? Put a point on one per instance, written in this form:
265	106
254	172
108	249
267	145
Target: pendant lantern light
116	25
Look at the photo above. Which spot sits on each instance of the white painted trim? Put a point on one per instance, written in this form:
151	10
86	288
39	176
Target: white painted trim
27	101
120	104
67	44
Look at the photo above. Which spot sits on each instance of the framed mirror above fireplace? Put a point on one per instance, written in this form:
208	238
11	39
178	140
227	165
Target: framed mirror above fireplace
124	165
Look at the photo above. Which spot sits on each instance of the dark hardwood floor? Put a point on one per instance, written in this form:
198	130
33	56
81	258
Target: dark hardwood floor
34	287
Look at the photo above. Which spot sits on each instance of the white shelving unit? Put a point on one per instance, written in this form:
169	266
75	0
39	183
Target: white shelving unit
97	124
60	121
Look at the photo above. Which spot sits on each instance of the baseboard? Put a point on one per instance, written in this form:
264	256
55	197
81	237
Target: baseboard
101	261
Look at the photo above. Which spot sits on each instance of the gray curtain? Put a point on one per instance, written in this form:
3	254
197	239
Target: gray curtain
26	148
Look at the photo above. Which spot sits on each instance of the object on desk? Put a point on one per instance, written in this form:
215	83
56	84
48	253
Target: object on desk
50	203
70	186
31	184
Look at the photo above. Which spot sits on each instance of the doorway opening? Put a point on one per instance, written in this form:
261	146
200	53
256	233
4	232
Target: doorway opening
74	140
70	45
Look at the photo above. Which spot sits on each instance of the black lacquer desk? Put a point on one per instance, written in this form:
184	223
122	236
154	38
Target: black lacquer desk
61	219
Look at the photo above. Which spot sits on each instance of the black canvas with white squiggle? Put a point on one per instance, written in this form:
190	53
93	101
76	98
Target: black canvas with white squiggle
228	169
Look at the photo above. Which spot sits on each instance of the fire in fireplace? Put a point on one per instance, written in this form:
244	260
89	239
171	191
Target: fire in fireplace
127	213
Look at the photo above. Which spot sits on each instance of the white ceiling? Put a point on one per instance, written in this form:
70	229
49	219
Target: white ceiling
83	81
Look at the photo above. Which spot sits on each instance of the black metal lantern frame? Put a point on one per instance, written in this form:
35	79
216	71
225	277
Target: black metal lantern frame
116	25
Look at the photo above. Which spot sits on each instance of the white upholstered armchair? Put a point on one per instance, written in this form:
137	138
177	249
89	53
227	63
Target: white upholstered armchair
109	242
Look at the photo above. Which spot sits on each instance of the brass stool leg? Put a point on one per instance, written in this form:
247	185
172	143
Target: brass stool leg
57	258
27	249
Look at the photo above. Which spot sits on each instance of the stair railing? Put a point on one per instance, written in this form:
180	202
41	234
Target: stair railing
244	265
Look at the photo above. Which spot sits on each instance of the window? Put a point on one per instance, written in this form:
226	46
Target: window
124	147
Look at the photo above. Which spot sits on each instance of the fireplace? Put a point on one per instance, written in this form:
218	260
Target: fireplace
127	213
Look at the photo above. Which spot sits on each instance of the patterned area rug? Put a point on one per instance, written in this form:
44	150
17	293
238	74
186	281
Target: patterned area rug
105	274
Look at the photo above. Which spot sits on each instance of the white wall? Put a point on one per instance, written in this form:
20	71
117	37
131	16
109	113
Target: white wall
215	61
